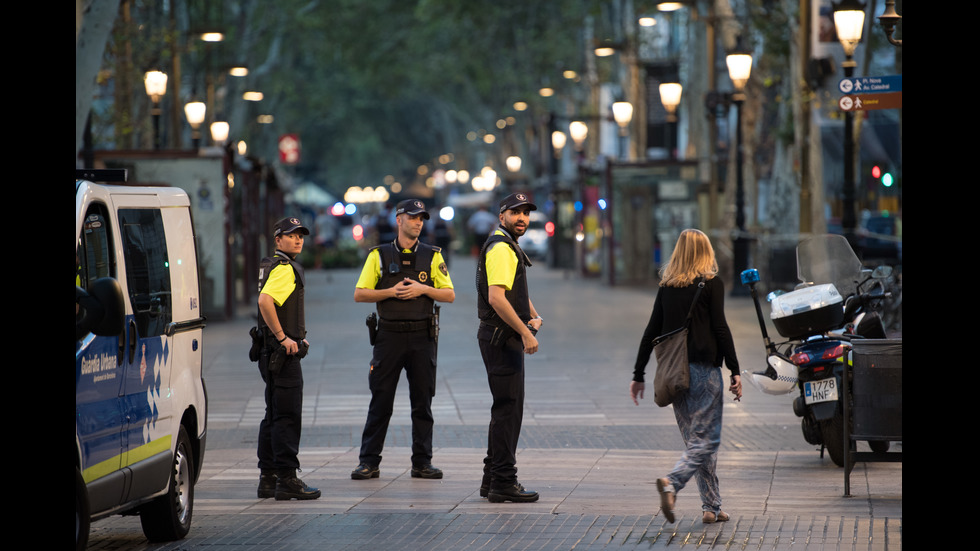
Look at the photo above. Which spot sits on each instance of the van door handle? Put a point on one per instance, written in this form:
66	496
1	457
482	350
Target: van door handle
120	353
132	341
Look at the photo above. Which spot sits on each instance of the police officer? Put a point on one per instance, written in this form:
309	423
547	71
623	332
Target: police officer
508	324
282	323
405	278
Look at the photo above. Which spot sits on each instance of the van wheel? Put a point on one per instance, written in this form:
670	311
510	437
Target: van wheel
168	517
82	513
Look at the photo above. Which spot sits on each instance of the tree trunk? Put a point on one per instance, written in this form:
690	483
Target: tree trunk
93	23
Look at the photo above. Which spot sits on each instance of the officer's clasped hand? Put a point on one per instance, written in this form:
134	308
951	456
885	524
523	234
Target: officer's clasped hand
409	289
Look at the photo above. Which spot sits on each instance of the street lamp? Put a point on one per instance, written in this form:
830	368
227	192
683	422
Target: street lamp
194	111
622	114
739	68
489	177
579	131
849	22
670	97
558	140
606	48
156	86
219	132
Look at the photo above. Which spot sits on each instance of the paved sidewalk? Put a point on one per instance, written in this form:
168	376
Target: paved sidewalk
591	453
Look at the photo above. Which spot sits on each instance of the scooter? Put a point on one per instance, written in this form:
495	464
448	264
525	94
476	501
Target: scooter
835	302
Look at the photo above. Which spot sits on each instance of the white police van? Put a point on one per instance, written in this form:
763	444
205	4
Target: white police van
140	401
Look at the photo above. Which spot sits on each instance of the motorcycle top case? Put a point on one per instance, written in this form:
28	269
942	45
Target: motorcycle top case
808	311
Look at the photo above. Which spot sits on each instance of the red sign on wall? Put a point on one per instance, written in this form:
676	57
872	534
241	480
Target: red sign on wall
289	149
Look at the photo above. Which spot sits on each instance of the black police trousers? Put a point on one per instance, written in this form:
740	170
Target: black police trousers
415	352
279	431
505	374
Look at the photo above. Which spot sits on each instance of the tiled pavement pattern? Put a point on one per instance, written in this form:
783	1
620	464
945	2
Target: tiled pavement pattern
591	453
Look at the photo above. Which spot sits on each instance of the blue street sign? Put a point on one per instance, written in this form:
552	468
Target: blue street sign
871	85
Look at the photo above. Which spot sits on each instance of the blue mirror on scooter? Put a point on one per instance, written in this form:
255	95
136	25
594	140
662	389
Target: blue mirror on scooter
750	276
882	272
774	294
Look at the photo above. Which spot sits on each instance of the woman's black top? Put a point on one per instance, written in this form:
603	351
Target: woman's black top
709	340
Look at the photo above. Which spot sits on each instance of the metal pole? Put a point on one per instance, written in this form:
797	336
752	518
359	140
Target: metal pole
848	217
156	125
741	244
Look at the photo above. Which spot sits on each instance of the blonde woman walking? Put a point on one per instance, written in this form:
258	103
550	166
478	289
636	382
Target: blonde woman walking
698	411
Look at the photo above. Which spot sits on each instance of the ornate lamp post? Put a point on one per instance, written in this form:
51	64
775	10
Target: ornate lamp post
194	111
739	68
849	22
156	86
622	114
670	97
579	131
513	163
219	132
558	140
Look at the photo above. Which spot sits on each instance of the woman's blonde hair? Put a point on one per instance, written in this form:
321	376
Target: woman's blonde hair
693	257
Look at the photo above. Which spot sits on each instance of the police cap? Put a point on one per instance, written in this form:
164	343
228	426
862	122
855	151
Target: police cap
515	200
411	207
289	225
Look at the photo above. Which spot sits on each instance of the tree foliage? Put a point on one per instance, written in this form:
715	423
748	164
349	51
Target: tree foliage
372	88
380	87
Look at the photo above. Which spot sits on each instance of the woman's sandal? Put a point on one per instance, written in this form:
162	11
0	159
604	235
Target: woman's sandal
667	498
710	518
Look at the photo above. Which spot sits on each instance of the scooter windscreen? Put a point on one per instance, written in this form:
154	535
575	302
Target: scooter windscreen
828	259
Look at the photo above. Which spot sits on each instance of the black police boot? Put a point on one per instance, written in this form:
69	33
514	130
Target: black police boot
514	492
485	486
426	471
291	487
267	485
364	471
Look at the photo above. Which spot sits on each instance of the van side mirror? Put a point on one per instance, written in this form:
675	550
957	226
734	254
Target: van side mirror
100	310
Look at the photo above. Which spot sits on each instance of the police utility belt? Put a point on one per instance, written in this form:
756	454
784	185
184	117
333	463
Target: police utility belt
404	326
269	352
375	324
498	335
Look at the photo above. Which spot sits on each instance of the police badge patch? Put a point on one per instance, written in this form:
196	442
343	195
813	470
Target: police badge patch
443	269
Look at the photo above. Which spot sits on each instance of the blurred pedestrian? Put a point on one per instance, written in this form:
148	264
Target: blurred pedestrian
697	411
384	226
405	277
480	224
440	233
508	324
282	324
325	233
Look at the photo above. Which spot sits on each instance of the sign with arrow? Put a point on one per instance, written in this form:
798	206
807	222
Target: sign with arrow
870	85
865	102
